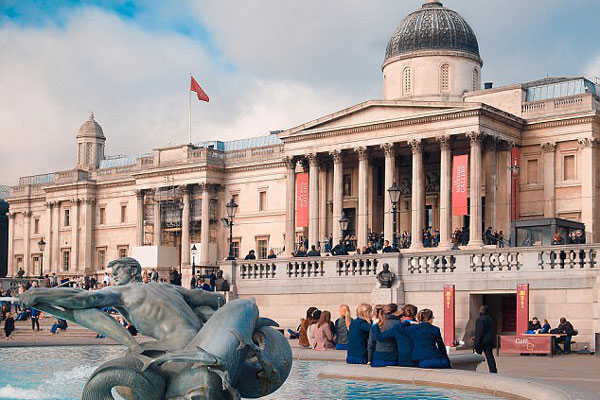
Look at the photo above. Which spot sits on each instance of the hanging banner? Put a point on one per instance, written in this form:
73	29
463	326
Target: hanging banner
515	164
522	308
460	173
449	316
302	200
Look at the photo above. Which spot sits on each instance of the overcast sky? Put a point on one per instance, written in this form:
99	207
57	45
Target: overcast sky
266	65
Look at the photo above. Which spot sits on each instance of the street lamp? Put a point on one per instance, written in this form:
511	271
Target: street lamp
42	244
394	192
515	173
194	251
231	208
344	221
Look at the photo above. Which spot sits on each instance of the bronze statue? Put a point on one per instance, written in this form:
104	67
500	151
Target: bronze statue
386	277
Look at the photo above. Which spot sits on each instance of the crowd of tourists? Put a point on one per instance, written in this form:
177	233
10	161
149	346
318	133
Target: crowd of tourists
378	336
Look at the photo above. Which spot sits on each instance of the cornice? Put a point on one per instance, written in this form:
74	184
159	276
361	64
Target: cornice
276	164
560	121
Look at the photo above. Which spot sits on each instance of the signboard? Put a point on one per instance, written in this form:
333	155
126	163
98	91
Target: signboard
515	155
449	322
302	200
522	308
526	344
460	172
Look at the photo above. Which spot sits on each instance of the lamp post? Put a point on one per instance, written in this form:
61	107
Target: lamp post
344	221
394	192
231	208
194	250
180	206
515	174
42	245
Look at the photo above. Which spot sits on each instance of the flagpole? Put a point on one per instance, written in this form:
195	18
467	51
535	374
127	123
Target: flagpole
190	111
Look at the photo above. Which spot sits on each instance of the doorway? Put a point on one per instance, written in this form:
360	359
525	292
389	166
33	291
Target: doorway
503	309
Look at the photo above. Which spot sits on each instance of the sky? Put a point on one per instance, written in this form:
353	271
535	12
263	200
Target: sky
266	65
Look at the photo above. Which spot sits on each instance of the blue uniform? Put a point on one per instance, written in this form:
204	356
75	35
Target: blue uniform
404	343
358	338
385	351
429	350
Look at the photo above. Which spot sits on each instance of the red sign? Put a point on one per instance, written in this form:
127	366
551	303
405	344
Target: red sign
460	172
522	308
526	344
302	200
449	322
515	163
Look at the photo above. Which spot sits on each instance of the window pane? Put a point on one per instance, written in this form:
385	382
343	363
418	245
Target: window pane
569	168
262	246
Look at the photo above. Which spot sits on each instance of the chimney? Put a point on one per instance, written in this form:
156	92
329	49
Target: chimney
488	85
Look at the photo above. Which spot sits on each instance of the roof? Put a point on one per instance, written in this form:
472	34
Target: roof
433	27
4	192
555	87
270	139
120	161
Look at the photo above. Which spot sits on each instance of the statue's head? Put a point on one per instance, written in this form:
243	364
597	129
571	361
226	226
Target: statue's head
125	270
386	267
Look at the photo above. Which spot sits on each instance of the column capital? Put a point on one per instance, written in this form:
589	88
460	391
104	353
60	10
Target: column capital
89	201
363	153
445	142
11	214
289	161
313	159
208	187
388	149
27	214
548	147
337	156
475	137
139	193
50	203
588	142
185	189
415	146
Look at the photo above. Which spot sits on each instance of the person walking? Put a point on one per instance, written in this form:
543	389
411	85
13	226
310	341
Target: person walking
35	319
484	337
9	326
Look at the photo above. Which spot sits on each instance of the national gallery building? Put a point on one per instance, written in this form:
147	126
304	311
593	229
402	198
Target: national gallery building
531	161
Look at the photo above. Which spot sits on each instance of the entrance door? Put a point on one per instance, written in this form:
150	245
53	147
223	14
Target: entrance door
350	213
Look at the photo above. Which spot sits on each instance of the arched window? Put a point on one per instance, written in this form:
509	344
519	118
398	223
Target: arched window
407	81
445	78
475	79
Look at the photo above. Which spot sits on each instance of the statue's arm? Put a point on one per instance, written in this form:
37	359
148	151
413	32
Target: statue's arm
71	298
198	298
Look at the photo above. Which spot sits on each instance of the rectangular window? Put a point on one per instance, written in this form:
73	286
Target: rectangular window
532	172
102	216
262	247
123	214
19	262
36	226
569	173
123	250
236	200
101	258
66	260
262	200
67	217
235	247
36	263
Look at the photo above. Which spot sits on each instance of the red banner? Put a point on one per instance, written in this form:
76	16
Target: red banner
302	200
515	163
526	344
449	321
522	308
460	172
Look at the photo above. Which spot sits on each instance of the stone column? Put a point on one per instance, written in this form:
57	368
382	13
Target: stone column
390	168
28	265
290	204
313	200
589	181
549	179
338	194
185	228
48	239
139	223
445	191
88	234
322	201
491	153
157	229
475	190
418	195
11	248
75	235
56	238
363	196
205	228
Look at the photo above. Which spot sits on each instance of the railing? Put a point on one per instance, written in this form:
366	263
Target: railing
559	105
358	266
568	258
305	268
37	179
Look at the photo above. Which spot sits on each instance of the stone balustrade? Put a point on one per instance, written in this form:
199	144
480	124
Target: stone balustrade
551	106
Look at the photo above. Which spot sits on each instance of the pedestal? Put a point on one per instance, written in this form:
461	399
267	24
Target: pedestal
395	294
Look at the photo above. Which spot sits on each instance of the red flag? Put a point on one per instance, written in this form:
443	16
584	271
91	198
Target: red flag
194	87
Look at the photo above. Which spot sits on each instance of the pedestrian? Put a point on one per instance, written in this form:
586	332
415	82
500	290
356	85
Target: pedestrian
484	337
35	319
9	326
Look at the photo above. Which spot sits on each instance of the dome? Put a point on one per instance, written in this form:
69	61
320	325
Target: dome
91	128
433	27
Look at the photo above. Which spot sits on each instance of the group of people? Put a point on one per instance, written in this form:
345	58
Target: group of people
493	237
565	329
574	237
379	336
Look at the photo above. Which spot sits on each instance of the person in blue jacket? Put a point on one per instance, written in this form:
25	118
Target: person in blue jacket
385	350
404	343
358	336
429	350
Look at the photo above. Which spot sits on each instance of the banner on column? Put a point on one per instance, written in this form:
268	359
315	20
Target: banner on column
302	200
460	172
449	316
515	164
522	308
